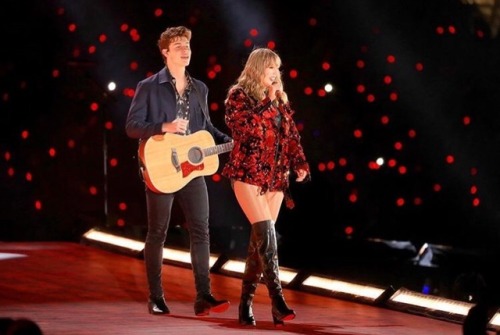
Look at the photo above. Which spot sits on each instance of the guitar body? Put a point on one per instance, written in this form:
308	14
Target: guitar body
170	161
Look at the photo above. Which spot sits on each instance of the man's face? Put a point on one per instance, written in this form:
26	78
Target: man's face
179	52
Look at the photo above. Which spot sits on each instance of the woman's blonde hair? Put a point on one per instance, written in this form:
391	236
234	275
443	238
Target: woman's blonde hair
250	79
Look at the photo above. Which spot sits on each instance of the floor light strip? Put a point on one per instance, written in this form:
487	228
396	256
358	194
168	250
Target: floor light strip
416	299
183	256
123	242
333	285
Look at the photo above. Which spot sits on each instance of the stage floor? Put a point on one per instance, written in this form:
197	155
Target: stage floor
71	288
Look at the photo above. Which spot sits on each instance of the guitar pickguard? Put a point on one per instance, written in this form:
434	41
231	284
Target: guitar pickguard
187	168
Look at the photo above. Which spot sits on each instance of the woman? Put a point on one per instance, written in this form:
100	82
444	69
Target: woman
266	148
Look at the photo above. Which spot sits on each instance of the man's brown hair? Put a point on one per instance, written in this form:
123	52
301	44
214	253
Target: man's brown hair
171	34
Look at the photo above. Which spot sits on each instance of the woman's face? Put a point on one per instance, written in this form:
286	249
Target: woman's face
271	74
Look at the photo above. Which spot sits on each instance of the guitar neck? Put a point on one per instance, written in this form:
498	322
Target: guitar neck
218	149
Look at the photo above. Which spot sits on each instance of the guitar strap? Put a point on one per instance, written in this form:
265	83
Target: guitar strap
140	165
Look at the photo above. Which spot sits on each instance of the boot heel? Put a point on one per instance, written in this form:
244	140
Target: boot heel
278	323
279	319
247	322
158	306
245	315
207	303
281	311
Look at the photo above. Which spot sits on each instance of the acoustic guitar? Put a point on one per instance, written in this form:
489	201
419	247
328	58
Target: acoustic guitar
170	161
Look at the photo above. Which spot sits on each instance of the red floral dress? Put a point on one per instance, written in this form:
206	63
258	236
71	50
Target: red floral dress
266	144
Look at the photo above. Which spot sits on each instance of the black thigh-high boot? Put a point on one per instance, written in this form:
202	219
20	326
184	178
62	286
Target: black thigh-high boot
251	278
265	235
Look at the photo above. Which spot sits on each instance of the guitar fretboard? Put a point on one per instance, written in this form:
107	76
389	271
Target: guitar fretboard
218	149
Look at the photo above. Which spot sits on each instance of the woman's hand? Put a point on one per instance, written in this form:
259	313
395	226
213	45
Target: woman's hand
274	91
301	175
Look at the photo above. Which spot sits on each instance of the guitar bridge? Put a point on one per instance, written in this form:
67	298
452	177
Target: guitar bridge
175	160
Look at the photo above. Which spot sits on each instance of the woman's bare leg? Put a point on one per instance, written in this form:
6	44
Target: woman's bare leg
257	207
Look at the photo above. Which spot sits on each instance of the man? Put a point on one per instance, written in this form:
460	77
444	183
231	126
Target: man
171	101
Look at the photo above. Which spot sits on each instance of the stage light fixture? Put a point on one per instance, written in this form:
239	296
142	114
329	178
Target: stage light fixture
130	246
342	289
110	241
438	307
233	267
287	275
183	257
8	255
494	323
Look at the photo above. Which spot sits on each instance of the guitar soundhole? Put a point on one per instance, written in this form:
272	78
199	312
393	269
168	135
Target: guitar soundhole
195	155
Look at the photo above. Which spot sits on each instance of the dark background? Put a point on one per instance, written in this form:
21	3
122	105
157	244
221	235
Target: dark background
370	228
